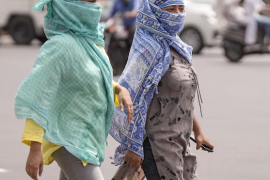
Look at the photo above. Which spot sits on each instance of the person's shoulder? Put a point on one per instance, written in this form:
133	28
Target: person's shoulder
59	49
64	45
60	42
147	39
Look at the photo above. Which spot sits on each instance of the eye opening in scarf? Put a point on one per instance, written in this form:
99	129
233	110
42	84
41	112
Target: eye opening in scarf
176	9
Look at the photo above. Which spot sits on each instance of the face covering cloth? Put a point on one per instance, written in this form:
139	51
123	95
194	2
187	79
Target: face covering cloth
69	89
148	61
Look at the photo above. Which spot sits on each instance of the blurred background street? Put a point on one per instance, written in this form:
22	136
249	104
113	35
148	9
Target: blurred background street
236	116
234	76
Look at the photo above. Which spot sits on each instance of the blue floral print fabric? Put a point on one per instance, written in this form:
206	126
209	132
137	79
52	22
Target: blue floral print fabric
148	61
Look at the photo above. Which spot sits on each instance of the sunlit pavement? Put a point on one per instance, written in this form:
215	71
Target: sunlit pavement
236	116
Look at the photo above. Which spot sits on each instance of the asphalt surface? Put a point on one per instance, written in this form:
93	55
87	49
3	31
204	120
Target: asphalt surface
236	116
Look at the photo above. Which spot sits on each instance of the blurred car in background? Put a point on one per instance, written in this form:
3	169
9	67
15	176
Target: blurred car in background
200	24
19	20
199	31
23	24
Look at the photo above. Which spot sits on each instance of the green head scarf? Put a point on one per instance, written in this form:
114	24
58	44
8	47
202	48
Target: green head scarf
78	16
69	89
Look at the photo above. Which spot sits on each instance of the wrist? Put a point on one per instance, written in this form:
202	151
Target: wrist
133	153
118	89
35	146
197	132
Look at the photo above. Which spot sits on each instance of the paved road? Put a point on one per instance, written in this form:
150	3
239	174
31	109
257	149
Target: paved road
236	117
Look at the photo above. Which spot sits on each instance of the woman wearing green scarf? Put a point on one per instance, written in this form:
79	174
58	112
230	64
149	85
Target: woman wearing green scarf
67	98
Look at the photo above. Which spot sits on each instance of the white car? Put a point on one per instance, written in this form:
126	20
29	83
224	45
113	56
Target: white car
200	25
19	20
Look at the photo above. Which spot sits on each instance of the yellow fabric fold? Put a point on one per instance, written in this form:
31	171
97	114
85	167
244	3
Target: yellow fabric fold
116	96
32	132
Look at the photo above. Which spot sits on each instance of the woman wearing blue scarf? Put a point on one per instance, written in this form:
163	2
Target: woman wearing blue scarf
162	83
67	98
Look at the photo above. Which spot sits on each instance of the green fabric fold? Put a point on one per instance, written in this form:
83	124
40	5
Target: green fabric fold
69	89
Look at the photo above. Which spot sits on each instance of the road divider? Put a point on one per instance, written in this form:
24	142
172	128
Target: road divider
3	170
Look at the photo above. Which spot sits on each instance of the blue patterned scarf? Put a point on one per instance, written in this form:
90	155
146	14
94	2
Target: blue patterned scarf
148	61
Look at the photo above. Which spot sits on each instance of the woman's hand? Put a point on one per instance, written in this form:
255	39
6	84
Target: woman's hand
134	160
201	139
34	164
125	99
199	136
130	14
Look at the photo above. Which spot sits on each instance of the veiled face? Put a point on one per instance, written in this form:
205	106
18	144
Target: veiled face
175	9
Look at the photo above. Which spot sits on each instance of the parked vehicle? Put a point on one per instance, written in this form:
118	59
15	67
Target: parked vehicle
117	45
117	39
200	23
19	20
234	42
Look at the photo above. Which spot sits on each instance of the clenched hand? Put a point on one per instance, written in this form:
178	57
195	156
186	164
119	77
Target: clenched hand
34	164
134	160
